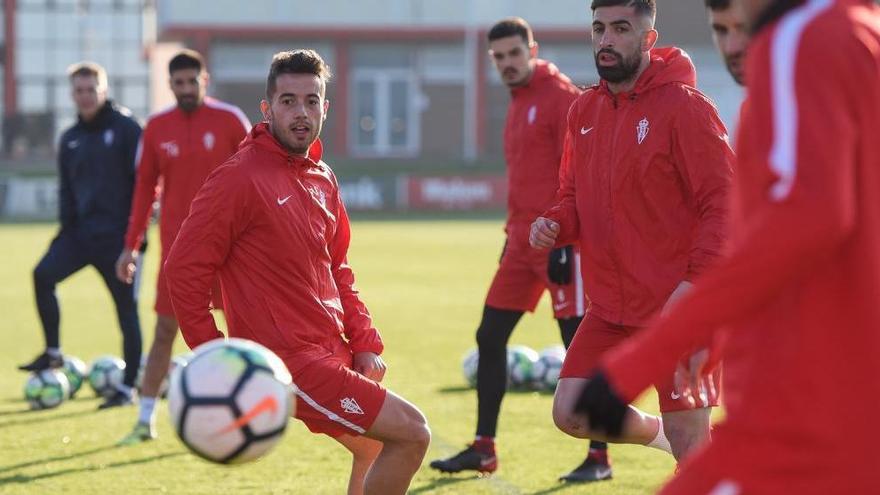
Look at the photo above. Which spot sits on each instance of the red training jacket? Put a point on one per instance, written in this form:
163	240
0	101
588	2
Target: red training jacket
643	186
534	133
182	149
274	228
799	291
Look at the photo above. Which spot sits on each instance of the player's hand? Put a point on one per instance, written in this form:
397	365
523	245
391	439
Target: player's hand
693	381
683	288
560	264
126	266
604	408
370	365
543	233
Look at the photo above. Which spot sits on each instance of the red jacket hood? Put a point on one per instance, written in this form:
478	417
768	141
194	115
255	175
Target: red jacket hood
543	70
668	65
261	136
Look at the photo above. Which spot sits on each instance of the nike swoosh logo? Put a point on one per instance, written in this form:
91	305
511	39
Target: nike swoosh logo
282	201
560	306
584	130
268	404
675	396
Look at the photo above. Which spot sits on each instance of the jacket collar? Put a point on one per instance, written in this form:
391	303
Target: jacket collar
261	136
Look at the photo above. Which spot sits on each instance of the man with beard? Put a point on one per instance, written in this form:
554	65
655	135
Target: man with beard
96	170
796	298
533	141
180	147
644	188
730	34
271	223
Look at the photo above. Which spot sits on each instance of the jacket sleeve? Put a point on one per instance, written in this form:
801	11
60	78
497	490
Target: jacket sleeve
66	199
358	324
145	191
218	215
564	212
805	215
705	161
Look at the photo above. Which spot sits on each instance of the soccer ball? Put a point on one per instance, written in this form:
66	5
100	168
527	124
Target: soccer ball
230	403
75	370
546	372
106	375
46	389
520	365
469	366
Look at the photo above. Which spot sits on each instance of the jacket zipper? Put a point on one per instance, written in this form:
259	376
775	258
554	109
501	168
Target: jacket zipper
613	162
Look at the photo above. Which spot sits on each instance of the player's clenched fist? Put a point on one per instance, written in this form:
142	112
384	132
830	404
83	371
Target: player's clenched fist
543	233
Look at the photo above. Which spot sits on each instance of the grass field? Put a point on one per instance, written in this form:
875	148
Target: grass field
424	282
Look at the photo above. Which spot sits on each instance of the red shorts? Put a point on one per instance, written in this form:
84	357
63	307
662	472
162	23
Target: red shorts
522	278
595	336
163	300
334	399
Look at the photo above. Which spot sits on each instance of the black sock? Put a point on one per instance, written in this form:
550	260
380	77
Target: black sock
597	445
492	336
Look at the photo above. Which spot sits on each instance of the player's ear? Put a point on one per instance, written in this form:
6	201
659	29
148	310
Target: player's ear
264	109
533	50
650	39
326	108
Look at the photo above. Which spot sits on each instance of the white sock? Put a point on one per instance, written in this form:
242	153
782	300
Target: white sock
660	442
53	352
147	409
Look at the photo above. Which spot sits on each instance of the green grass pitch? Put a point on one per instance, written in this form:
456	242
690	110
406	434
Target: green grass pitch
424	282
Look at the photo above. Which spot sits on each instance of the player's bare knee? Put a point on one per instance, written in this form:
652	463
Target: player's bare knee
568	422
420	433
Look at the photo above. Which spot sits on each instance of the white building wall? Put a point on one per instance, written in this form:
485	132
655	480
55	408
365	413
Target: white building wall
369	13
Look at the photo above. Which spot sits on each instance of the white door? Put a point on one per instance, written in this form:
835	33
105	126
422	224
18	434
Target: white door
385	116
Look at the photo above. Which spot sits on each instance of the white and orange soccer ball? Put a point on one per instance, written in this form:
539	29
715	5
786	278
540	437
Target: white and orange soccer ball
231	401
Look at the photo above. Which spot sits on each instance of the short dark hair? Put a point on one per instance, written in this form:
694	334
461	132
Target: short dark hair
186	59
304	61
512	26
88	69
642	7
717	4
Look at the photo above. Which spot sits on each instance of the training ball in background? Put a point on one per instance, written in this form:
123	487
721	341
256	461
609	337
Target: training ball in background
520	365
75	370
230	403
469	366
46	389
548	367
106	375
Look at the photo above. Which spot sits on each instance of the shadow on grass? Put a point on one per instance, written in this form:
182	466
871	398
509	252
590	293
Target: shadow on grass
41	416
23	478
58	458
460	389
560	486
439	483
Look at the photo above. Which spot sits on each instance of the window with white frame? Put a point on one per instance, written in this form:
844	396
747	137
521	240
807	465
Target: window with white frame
384	118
